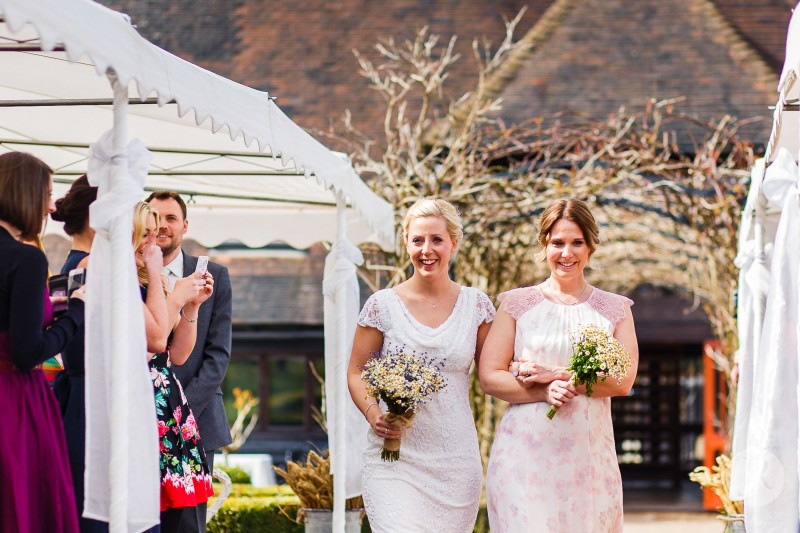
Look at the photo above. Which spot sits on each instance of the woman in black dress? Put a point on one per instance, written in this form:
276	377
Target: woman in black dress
70	385
36	492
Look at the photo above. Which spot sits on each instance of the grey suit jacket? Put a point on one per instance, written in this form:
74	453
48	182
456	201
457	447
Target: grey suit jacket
202	373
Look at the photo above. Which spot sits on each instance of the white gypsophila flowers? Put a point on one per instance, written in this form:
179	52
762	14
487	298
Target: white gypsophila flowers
403	380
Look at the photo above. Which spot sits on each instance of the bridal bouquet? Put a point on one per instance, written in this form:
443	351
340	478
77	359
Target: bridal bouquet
403	381
596	356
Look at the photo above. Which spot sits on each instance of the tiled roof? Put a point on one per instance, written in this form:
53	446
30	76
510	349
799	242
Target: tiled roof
605	54
762	24
267	290
591	56
302	52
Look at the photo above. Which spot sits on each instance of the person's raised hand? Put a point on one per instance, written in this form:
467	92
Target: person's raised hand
79	293
187	289
207	288
152	256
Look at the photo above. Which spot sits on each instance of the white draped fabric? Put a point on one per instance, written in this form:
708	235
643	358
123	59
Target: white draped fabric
772	489
122	475
347	429
753	281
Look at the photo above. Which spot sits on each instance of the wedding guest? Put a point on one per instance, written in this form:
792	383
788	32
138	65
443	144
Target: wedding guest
435	486
560	474
36	493
73	211
52	366
203	372
171	323
70	384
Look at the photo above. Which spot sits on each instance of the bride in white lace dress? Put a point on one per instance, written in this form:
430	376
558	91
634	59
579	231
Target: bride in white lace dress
435	486
558	475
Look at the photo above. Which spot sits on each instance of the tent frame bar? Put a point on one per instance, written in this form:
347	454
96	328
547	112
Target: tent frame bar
29	142
28	47
220	173
56	102
192	193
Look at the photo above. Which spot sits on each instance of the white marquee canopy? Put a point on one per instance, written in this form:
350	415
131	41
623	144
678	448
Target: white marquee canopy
232	186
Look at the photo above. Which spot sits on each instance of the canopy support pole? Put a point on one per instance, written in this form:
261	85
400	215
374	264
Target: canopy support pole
118	467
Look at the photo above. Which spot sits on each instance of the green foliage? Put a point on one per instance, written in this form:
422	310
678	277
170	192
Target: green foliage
256	514
236	474
585	366
246	490
274	510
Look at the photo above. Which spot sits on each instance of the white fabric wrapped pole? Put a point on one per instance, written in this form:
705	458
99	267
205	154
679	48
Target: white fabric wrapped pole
121	478
347	429
752	259
772	488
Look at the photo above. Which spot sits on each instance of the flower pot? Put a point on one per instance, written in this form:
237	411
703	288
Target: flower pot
734	523
321	520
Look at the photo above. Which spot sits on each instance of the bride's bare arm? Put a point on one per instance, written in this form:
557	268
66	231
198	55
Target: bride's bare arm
367	342
530	372
493	367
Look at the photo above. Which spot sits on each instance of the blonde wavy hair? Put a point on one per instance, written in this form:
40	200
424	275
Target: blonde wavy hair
141	212
435	207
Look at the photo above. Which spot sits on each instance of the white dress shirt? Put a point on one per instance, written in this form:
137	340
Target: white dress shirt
174	270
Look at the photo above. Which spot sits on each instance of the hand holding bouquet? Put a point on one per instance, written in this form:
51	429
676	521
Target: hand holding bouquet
403	381
596	356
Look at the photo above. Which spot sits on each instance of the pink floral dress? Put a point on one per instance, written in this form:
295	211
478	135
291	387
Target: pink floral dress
558	475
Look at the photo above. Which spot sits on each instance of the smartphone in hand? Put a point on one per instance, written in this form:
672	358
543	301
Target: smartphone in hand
58	286
202	264
77	278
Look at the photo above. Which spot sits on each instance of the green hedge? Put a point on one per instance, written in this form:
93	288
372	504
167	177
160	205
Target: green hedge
236	474
256	514
261	509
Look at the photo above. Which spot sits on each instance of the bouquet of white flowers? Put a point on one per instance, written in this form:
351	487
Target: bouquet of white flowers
596	356
403	381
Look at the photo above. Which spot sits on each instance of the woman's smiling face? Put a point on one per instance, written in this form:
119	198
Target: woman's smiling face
567	251
429	245
150	228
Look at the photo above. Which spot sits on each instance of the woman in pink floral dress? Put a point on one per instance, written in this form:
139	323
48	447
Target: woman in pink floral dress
558	475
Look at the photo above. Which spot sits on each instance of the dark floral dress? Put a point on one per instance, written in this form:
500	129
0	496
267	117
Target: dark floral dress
185	479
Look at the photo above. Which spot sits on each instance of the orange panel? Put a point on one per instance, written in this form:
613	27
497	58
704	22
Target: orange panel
715	394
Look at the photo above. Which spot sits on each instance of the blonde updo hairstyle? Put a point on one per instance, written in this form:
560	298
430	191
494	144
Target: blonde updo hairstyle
141	213
575	211
435	207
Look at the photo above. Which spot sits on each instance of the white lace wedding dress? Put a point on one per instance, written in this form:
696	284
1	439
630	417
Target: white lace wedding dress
435	486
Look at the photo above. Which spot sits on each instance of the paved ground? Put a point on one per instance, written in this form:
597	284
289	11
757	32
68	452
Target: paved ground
672	522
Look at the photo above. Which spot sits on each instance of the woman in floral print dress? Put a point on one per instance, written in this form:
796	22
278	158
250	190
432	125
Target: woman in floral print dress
559	475
171	320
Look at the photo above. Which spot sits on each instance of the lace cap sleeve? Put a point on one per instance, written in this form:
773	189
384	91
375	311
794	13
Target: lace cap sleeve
370	316
517	302
485	308
611	306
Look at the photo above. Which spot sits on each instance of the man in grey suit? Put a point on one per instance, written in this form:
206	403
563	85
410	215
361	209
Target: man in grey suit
202	374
